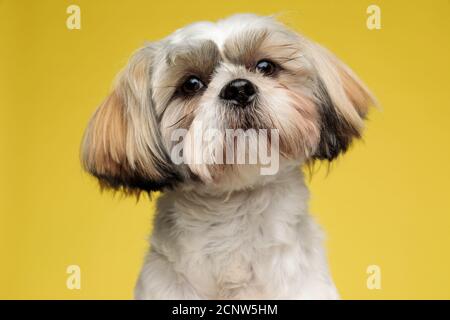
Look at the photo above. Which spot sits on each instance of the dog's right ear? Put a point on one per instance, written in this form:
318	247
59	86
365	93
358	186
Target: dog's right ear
122	146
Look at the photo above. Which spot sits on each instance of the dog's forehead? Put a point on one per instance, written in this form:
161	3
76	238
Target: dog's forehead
219	32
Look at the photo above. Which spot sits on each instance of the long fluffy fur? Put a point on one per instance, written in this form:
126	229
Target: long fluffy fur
225	231
257	244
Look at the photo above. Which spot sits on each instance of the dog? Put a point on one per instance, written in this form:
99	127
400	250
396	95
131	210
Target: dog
224	230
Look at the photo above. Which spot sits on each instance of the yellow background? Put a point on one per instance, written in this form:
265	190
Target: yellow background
387	202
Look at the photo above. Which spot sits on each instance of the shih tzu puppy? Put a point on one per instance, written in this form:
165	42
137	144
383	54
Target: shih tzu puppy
174	122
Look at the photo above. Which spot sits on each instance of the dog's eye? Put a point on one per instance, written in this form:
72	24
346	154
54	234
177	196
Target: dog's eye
266	67
192	85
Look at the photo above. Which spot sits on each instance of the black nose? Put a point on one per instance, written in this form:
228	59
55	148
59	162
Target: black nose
239	92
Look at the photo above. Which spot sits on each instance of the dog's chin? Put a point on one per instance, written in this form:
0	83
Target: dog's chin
226	178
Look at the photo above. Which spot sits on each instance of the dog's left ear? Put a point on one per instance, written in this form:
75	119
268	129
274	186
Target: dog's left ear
343	103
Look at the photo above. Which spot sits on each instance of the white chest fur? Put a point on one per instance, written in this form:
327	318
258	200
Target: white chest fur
252	244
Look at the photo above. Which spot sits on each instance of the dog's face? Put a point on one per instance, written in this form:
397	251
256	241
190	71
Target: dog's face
245	72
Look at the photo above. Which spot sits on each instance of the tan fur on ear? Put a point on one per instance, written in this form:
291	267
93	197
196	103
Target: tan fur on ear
348	93
104	145
343	102
122	144
357	92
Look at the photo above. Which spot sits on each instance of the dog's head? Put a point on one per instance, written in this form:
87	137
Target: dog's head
245	73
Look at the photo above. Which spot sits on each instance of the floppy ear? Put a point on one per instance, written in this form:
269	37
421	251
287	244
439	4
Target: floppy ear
122	146
343	102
